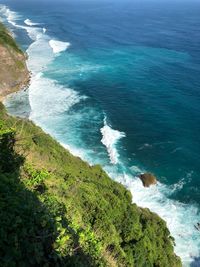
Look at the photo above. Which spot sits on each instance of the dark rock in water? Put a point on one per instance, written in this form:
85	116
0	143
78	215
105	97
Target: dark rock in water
197	227
148	179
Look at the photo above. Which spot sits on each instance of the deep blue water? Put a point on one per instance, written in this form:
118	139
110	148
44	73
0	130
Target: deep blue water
133	67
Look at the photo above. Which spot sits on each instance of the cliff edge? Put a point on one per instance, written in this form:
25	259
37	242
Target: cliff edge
57	210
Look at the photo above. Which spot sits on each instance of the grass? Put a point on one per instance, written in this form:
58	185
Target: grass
7	40
68	213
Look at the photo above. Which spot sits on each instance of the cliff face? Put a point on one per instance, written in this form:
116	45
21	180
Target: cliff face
14	74
56	210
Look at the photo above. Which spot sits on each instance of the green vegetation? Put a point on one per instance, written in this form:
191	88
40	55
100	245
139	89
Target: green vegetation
7	40
56	210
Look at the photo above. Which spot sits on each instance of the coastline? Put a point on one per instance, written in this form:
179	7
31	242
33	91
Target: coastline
21	87
139	196
18	88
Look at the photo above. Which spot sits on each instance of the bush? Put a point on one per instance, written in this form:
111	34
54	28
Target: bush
56	210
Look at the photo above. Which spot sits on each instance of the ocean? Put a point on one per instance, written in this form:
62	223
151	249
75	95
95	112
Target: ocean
117	83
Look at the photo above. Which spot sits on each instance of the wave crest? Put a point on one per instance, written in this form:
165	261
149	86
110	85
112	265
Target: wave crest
30	23
58	46
110	139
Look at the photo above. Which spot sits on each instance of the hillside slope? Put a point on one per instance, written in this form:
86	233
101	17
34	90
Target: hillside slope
57	210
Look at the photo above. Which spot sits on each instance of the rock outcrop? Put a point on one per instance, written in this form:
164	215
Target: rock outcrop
14	74
148	179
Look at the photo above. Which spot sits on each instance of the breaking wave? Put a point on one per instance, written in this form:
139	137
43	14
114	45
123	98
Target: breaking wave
58	46
110	139
30	23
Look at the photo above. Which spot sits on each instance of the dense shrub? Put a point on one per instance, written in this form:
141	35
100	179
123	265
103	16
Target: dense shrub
7	40
56	210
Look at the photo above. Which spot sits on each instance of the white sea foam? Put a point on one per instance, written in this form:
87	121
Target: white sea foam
58	46
34	33
11	16
30	23
136	169
110	139
37	63
48	99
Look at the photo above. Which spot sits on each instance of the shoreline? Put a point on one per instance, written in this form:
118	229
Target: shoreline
19	89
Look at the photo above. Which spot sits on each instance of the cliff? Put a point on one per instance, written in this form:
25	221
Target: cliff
57	210
14	74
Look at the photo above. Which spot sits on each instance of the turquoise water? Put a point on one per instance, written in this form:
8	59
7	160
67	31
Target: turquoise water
117	82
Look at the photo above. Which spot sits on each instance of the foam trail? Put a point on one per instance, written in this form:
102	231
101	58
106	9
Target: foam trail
39	47
49	99
110	139
11	16
30	23
58	46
